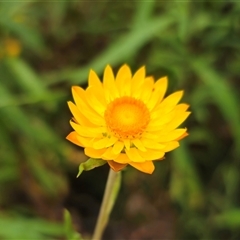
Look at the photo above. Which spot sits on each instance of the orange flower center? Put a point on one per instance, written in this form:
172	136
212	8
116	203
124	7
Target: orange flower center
127	117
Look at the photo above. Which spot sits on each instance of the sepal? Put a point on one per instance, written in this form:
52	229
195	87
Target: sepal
90	164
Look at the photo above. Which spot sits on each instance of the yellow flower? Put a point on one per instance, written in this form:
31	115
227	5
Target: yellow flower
126	119
12	47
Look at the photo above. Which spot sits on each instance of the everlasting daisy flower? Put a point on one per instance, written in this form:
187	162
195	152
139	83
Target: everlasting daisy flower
126	120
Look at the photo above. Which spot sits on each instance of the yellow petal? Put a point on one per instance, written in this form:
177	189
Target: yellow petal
134	155
116	166
98	94
123	80
104	142
109	155
118	147
80	100
94	153
147	89
173	135
182	136
171	100
149	143
152	154
86	142
170	146
122	158
150	135
158	122
111	140
99	144
127	143
182	107
76	92
138	143
92	99
123	73
110	89
87	131
176	121
80	118
159	113
168	106
72	137
146	167
93	80
137	82
160	88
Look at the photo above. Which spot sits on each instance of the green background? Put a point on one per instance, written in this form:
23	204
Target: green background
194	193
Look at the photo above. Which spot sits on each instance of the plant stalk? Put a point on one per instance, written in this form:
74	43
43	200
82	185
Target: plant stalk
110	194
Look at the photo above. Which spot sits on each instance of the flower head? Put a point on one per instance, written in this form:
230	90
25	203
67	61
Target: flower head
126	120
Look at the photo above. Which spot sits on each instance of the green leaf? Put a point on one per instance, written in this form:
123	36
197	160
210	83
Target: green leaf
223	94
143	12
26	77
90	164
228	219
116	53
71	234
19	227
185	185
26	30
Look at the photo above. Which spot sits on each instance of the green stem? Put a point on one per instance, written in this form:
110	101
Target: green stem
110	194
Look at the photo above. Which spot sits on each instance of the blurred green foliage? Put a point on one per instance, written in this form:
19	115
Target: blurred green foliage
45	47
